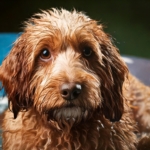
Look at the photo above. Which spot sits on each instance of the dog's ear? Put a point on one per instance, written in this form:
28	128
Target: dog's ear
15	75
112	72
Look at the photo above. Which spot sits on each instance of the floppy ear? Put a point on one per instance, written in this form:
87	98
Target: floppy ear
112	85
15	74
112	72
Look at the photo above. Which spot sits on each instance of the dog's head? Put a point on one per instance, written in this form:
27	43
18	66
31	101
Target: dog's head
65	66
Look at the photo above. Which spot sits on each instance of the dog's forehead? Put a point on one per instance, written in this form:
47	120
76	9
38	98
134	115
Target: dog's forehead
66	19
63	20
58	29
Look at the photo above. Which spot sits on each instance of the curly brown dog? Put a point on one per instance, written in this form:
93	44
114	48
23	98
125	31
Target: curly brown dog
67	87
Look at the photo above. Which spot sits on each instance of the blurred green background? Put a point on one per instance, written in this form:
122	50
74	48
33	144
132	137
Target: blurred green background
128	21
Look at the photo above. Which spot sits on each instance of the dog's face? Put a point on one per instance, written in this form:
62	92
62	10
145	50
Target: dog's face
66	67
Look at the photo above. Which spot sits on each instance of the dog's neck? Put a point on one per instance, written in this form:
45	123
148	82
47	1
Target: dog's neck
85	134
89	135
74	137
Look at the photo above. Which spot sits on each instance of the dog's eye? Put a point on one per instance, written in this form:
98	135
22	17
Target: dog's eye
45	55
87	51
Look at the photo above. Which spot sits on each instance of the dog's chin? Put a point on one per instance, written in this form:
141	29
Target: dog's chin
69	115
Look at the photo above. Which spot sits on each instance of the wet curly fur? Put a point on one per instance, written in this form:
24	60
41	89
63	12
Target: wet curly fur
59	47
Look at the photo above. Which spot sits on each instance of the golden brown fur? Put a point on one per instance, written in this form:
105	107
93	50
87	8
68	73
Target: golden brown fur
139	99
39	117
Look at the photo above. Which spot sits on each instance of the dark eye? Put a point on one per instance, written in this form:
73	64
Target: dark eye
45	55
87	51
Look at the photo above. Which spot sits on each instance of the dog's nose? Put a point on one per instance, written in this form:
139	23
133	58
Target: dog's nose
70	91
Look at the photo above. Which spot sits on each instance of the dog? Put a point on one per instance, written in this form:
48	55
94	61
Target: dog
67	87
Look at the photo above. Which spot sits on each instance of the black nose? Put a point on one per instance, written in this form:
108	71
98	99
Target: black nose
70	91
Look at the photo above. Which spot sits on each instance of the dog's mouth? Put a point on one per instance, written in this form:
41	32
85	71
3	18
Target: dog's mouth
69	114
